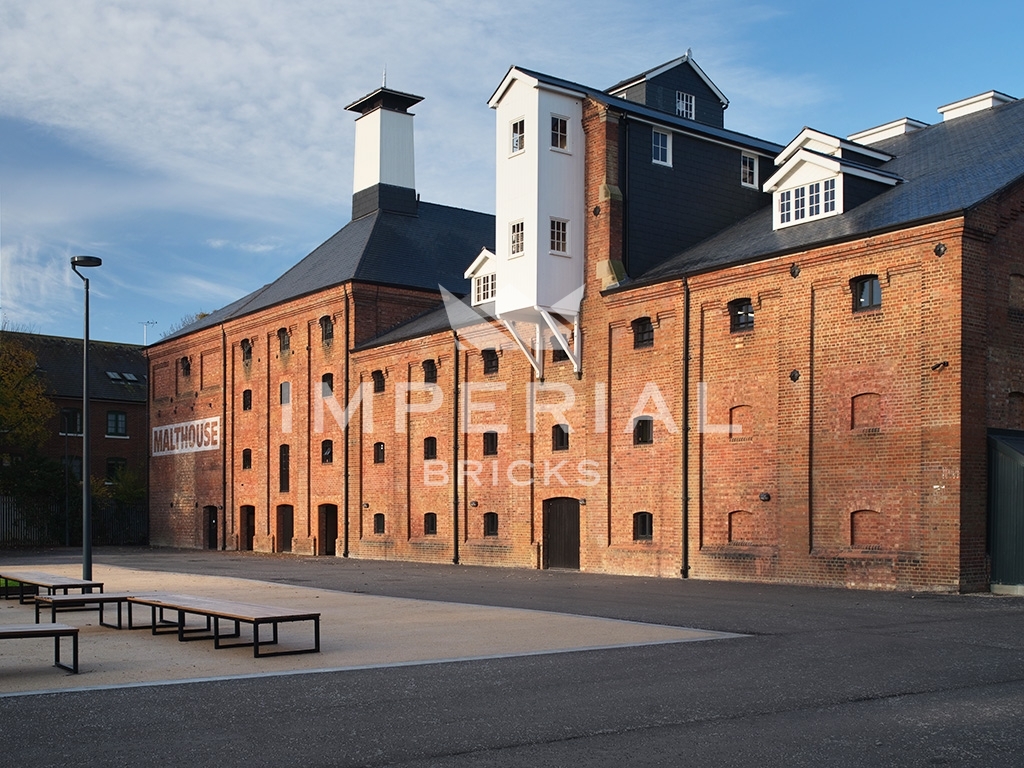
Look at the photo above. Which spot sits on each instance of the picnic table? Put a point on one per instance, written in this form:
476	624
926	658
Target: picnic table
38	580
214	610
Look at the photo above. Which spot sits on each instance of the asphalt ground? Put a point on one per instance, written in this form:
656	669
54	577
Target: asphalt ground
823	676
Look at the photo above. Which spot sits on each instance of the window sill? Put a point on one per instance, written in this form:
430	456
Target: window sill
560	151
117	437
560	254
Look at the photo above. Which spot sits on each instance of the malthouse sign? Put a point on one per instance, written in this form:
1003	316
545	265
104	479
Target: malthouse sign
187	437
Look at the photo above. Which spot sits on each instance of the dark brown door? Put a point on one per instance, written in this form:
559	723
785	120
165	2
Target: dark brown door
211	527
562	533
248	526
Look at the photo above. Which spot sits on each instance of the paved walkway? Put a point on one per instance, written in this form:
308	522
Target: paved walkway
357	631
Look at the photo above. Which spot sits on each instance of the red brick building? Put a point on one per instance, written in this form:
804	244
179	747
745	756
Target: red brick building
681	351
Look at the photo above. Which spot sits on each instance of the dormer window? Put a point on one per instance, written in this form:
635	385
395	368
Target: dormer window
684	105
811	201
484	288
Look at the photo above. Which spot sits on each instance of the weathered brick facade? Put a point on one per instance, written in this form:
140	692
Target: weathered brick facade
822	444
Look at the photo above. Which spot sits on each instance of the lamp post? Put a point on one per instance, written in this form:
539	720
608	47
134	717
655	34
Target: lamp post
76	262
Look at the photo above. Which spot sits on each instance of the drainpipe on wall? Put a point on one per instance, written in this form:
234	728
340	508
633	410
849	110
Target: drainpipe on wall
344	552
455	451
685	571
224	450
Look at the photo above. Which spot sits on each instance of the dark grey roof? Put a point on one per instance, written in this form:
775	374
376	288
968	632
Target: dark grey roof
947	168
59	362
433	247
456	312
654	115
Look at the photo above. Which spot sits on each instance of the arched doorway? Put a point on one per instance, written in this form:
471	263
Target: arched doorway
329	527
285	527
562	533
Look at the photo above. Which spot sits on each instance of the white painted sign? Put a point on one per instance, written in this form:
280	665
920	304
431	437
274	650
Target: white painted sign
187	437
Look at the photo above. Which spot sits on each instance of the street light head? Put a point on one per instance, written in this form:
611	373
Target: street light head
86	261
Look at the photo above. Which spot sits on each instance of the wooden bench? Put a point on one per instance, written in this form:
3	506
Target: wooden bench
39	580
56	631
214	610
79	602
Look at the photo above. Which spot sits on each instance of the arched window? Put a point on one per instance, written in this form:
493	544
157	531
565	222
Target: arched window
643	430
429	448
866	411
429	372
285	467
378	523
741	422
741	315
326	329
643	526
327	452
643	333
430	524
378	381
246	347
378	453
490	523
327	385
247	400
186	366
246	458
284	340
286	393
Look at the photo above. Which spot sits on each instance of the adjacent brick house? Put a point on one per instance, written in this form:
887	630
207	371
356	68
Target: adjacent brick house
681	350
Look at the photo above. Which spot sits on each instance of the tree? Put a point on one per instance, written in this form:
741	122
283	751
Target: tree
184	322
24	407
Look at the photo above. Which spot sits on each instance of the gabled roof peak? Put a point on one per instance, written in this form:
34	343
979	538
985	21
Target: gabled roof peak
686	58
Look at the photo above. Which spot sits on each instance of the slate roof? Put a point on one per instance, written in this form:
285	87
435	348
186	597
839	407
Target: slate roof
383	247
947	168
433	321
59	362
656	116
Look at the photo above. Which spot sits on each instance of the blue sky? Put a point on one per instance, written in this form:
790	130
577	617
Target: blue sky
200	149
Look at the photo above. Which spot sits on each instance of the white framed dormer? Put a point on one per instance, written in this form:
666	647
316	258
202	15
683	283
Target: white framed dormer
685	105
483	274
661	147
810	181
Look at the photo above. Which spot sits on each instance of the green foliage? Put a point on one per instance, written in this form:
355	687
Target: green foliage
24	407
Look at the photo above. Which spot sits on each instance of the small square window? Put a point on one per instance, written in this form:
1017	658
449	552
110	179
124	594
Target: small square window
661	147
741	315
867	293
558	355
70	421
560	437
115	468
643	430
117	423
559	133
490	361
685	105
378	453
490	524
518	136
490	443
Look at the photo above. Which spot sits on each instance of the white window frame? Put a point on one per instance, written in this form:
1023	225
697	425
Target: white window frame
517	136
657	148
748	175
517	239
556	134
560	232
808	202
785	207
484	287
829	202
685	105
